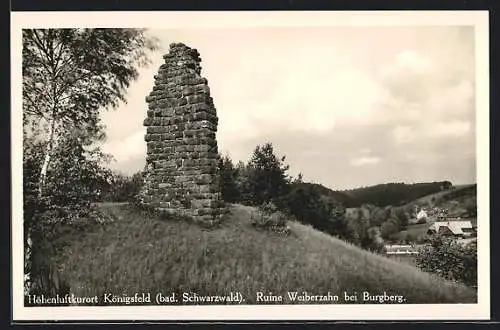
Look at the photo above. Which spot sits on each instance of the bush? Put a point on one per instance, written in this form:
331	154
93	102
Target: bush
74	181
389	228
411	238
421	221
270	218
422	239
122	188
449	259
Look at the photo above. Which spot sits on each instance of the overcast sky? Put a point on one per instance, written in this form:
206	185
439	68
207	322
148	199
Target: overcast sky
348	107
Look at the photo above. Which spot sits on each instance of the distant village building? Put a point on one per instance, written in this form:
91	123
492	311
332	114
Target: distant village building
422	214
419	216
457	229
400	250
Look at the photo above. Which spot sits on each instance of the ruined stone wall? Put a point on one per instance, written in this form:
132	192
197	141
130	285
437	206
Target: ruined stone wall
182	155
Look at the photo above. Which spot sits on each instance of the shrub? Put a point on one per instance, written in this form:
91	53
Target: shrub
389	228
375	241
74	181
422	239
449	259
421	221
411	237
270	218
123	188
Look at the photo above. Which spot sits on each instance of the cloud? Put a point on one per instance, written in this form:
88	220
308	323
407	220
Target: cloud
422	132
451	129
413	61
455	99
312	88
423	87
431	95
124	150
361	161
403	134
406	77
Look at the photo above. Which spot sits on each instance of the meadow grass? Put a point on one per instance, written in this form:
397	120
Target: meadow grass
137	252
415	230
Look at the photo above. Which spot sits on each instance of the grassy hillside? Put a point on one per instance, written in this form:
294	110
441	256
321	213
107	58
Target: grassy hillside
140	253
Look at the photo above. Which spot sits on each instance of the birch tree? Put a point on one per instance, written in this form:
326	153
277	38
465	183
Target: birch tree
69	75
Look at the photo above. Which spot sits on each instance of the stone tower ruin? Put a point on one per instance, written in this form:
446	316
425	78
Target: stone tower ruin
182	155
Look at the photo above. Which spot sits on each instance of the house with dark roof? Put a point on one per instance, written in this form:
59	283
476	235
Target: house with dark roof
458	229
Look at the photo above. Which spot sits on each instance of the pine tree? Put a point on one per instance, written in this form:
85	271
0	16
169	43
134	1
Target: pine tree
267	173
228	176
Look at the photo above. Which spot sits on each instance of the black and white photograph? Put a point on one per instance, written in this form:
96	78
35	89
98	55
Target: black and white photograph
250	165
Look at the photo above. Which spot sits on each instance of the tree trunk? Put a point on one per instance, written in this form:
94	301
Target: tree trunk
48	155
27	263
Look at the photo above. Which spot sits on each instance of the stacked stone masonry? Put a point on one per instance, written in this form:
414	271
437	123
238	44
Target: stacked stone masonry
182	155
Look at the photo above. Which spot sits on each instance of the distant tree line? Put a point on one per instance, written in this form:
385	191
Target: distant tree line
393	193
460	193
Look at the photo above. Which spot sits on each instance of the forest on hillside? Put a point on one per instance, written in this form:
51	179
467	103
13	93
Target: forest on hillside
394	194
385	194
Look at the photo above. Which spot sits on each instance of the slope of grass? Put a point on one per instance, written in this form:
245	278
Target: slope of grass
140	253
415	231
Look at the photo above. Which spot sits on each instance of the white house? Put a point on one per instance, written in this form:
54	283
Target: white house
422	214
